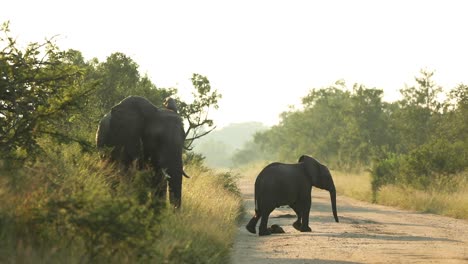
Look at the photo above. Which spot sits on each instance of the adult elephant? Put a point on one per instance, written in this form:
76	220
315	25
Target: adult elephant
290	184
135	129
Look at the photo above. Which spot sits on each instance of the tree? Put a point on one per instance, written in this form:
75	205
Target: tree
424	95
344	127
415	118
39	87
118	77
196	113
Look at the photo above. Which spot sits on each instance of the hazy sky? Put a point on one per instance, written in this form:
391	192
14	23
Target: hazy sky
262	56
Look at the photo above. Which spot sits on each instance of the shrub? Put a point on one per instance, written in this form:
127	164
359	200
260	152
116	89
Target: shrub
384	172
420	167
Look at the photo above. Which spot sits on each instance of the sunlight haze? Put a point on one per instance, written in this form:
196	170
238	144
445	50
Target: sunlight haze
262	56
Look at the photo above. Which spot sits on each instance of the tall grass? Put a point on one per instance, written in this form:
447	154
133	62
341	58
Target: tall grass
448	195
356	185
204	230
70	207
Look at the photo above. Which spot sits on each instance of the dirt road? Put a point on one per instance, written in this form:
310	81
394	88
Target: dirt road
367	233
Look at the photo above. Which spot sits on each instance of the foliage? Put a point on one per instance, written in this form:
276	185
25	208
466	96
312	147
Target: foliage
41	89
421	166
432	137
117	78
71	210
46	91
69	205
337	125
196	113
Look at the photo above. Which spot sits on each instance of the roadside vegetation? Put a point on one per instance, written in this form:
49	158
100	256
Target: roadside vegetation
69	207
61	203
443	196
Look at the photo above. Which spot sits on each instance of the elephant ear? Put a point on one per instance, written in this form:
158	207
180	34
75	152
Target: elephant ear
312	168
103	132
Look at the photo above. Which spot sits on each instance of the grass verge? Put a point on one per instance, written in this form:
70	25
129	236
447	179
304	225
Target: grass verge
447	196
66	208
440	199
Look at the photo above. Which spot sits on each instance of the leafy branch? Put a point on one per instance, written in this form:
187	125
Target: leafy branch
197	113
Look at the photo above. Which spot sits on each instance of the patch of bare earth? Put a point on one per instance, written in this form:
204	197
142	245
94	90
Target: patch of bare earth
367	233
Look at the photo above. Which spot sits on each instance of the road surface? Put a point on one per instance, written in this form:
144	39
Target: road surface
367	233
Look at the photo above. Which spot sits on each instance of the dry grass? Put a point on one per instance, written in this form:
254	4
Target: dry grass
449	201
203	231
356	185
447	196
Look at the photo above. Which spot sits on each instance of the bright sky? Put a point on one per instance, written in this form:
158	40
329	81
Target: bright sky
262	56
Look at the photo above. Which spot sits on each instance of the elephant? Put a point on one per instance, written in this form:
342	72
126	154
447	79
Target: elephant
136	130
281	184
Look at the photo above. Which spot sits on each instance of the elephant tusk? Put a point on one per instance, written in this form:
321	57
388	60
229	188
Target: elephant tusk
166	175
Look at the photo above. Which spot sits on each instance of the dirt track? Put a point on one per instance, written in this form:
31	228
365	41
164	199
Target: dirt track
367	233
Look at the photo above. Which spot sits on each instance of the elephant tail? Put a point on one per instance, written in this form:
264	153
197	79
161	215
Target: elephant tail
256	197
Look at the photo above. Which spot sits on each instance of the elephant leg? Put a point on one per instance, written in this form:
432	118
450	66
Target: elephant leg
132	153
305	217
253	223
175	191
175	199
298	223
263	228
160	186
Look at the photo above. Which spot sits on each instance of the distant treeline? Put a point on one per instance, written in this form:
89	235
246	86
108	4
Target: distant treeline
411	141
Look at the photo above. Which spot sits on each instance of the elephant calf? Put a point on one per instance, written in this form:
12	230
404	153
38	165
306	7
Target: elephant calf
290	184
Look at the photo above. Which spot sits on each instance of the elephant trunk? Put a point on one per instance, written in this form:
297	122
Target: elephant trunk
333	202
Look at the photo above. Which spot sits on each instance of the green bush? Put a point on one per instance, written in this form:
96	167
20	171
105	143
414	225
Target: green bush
65	206
384	172
422	166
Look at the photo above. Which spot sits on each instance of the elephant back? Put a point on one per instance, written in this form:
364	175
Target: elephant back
136	105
